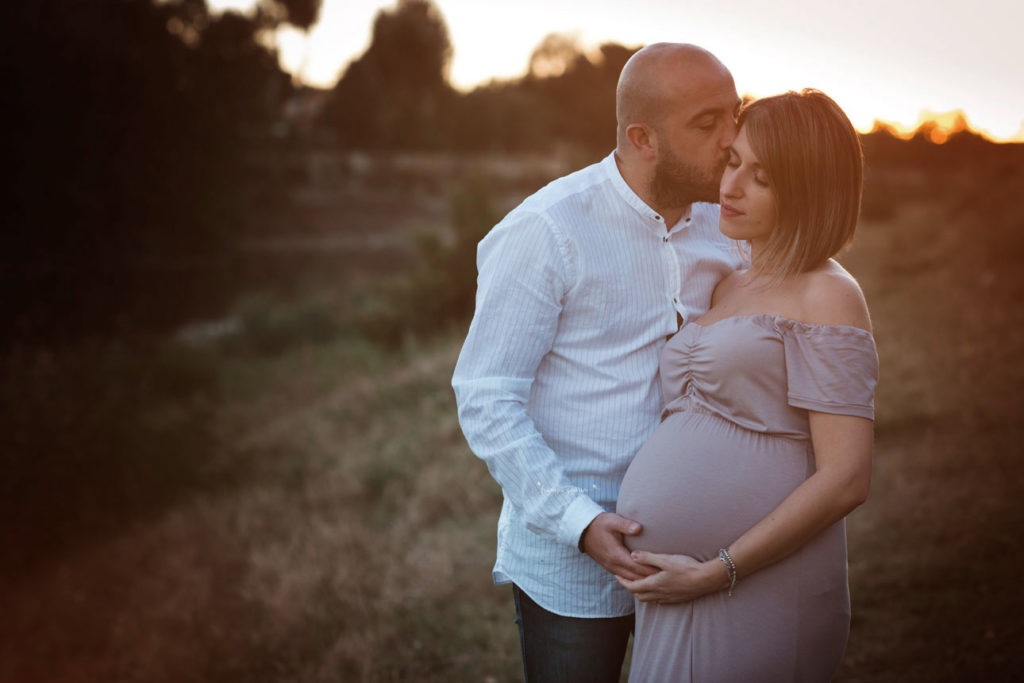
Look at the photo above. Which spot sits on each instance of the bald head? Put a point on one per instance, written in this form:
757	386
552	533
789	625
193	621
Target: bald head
676	107
660	77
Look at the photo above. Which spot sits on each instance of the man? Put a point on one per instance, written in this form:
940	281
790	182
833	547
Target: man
557	386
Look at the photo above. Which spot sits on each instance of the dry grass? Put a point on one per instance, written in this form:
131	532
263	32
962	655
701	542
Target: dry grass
933	553
353	547
343	531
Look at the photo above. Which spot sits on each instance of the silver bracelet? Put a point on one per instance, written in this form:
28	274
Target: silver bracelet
730	568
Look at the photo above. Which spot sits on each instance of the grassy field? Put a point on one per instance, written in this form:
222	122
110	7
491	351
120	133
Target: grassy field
290	503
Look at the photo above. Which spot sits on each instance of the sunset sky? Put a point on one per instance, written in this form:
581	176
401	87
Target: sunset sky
880	59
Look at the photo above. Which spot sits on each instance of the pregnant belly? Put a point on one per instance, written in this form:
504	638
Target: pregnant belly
700	482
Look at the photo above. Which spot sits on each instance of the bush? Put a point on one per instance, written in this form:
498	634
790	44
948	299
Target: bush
440	291
268	329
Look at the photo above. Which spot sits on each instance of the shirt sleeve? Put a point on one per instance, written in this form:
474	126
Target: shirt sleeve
831	368
525	273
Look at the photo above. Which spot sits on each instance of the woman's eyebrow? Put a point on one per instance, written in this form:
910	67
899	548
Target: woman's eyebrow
732	151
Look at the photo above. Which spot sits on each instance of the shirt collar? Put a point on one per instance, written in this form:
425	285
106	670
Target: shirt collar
651	218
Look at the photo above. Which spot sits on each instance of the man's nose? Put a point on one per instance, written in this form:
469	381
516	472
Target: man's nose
729	135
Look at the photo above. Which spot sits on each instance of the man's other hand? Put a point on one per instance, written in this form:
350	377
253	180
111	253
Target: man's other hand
602	540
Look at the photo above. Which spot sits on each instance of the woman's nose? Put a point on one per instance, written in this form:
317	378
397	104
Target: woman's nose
729	186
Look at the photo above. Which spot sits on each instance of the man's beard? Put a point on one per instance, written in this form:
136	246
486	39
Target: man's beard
676	184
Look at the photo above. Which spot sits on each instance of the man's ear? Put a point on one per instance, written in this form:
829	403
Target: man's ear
643	139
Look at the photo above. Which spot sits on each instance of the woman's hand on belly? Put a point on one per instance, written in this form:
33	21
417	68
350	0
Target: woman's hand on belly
680	578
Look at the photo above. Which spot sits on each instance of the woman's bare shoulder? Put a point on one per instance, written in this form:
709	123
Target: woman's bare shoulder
831	296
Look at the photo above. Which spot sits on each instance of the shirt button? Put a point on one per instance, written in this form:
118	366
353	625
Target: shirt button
665	238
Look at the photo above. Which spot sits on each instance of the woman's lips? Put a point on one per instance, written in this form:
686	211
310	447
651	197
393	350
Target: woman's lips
730	211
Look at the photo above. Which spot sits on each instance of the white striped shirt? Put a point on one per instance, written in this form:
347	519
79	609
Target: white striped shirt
557	386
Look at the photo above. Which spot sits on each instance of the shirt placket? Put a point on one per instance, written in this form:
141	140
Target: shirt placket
674	266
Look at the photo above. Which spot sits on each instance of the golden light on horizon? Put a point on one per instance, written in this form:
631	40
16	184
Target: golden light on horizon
897	63
938	126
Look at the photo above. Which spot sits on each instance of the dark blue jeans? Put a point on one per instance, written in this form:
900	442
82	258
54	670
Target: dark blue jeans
569	649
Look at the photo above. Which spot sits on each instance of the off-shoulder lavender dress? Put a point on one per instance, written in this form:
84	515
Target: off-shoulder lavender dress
733	443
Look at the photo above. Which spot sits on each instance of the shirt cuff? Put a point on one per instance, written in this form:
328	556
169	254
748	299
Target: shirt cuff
578	515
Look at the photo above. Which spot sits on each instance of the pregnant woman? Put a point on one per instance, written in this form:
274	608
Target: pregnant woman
765	443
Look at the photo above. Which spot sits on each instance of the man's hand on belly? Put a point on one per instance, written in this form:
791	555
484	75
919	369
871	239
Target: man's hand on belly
602	540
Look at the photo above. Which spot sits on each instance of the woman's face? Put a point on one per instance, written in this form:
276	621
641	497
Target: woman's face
748	203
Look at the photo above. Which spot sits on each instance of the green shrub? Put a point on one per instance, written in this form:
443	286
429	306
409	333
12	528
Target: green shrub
440	290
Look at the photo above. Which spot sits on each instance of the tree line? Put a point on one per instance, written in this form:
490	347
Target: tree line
130	129
144	134
397	94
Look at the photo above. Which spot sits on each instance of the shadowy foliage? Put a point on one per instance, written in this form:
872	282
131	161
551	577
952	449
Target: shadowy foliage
397	94
302	14
268	329
579	97
133	127
95	437
919	168
440	291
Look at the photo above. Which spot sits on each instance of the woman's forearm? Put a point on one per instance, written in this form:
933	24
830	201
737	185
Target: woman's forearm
815	505
842	447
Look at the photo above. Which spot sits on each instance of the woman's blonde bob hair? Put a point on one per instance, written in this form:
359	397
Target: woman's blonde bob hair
815	167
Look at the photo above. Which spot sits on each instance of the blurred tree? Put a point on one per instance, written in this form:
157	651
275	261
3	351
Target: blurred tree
302	14
439	291
396	94
580	92
500	117
553	56
131	129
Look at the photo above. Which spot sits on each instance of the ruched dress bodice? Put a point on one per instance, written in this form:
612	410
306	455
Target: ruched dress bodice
733	443
764	372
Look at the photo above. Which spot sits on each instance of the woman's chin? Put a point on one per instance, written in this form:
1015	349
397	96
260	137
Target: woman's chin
726	227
